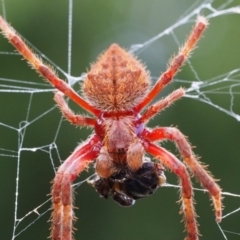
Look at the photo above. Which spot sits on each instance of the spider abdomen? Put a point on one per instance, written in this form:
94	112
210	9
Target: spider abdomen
117	81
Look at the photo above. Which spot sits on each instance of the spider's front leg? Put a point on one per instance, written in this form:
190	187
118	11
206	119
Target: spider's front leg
176	62
62	216
175	165
204	177
46	71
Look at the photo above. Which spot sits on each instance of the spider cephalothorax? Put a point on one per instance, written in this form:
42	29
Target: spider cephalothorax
117	90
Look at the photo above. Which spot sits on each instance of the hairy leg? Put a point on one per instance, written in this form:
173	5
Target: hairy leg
177	167
176	62
161	105
46	71
63	216
75	119
192	162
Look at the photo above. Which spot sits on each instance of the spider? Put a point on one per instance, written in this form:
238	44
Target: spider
117	93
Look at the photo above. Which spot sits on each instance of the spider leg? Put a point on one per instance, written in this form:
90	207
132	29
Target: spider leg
63	216
176	62
161	105
175	165
190	159
70	115
46	71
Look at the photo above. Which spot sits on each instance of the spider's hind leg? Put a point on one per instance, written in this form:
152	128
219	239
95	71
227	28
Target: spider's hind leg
62	199
195	166
177	167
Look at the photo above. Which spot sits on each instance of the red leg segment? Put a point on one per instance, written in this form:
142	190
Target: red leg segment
62	199
190	159
175	165
175	63
161	105
42	68
70	115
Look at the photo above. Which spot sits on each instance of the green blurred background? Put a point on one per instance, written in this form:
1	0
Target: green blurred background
97	24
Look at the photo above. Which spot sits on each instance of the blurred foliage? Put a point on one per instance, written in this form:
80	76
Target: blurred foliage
97	24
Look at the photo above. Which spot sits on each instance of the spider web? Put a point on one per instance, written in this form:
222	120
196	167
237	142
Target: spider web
34	138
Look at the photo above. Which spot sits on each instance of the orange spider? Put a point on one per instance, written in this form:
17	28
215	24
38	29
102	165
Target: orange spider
117	90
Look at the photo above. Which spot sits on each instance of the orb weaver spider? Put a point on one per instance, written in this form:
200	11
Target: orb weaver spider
117	90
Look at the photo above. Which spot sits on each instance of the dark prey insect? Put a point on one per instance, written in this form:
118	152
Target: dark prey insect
125	185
